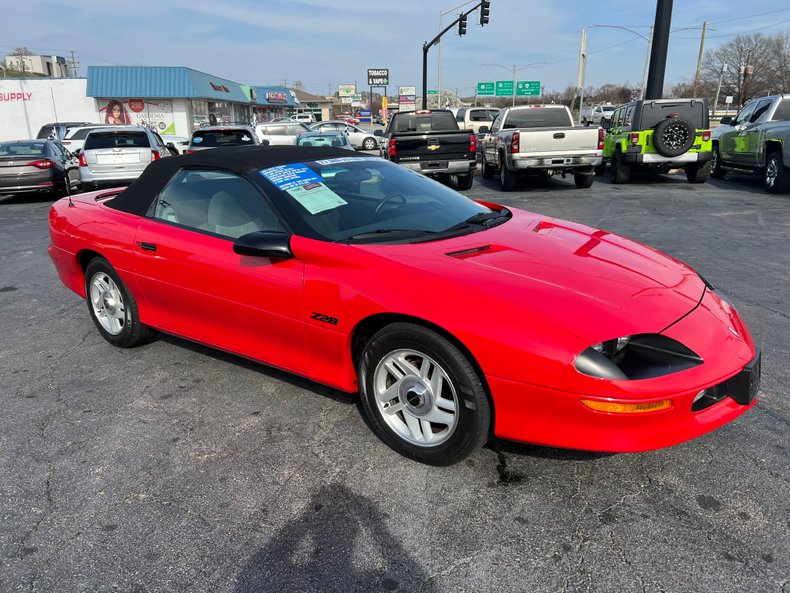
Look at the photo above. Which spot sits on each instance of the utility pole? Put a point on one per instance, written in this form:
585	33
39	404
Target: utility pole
580	75
74	63
718	88
699	60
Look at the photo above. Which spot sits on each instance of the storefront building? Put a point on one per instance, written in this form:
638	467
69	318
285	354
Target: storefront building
174	100
273	101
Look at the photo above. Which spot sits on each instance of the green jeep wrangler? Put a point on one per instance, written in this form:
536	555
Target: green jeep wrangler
660	134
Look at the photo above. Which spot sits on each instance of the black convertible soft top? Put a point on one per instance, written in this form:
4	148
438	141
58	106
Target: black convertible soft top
136	198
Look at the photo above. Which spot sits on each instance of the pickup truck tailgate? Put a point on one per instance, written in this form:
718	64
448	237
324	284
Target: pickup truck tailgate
558	142
433	146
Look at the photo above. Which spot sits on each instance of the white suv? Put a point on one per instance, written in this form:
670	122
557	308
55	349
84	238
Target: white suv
308	118
115	156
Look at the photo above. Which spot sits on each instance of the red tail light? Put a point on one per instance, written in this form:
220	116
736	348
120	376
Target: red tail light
472	143
83	160
706	135
600	138
393	148
42	164
635	138
155	156
187	151
515	143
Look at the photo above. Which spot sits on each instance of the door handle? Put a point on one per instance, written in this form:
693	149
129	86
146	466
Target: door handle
147	246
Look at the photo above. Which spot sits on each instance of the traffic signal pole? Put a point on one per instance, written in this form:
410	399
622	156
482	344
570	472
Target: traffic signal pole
658	53
428	44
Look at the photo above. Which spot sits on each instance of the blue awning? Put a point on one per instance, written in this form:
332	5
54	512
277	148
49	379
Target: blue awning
276	96
171	82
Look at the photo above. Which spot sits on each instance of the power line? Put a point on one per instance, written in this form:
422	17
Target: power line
751	16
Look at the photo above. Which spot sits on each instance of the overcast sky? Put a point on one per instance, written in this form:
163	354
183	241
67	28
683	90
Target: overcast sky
324	43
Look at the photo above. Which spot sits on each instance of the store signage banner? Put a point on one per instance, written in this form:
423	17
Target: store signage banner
156	114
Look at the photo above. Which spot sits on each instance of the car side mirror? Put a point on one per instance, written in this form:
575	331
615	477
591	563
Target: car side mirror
483	129
264	244
726	120
378	132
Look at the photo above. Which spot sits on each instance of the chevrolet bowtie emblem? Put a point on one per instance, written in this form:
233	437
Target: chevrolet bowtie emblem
433	147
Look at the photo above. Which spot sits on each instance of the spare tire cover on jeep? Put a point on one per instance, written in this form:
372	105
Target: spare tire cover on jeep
673	136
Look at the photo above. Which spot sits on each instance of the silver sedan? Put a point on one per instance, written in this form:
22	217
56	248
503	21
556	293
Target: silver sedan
360	138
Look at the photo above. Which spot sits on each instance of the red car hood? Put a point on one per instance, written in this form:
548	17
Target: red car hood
594	284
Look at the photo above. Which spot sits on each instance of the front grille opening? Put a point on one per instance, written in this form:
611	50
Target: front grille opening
709	397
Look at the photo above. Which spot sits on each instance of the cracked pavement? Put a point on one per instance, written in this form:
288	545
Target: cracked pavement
173	467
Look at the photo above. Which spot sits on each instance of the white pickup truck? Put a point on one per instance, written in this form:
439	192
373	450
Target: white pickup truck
540	139
597	114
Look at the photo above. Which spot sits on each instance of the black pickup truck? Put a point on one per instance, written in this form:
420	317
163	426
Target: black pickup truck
430	142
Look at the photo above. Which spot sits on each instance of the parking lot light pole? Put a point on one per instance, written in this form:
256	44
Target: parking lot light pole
649	40
512	69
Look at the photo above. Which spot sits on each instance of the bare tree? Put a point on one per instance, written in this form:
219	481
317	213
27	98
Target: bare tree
741	54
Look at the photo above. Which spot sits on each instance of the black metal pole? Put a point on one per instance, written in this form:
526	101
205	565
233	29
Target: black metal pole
425	47
658	53
428	44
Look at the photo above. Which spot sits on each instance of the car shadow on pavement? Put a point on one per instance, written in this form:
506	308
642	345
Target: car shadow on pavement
340	542
272	372
544	452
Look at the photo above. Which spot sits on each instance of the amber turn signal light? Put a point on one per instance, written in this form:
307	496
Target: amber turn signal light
617	408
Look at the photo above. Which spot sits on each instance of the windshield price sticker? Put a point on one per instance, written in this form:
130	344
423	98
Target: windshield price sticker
305	186
343	159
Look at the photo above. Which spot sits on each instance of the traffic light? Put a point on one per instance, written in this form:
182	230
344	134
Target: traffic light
462	24
485	11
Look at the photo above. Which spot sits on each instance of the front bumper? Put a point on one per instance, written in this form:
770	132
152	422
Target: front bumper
558	163
702	398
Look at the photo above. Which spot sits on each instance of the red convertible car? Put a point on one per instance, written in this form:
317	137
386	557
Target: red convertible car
455	320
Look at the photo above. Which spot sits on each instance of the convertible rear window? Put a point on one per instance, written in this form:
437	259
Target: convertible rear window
111	139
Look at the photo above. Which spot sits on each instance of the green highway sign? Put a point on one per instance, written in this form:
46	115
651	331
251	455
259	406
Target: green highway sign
504	88
485	88
431	92
528	88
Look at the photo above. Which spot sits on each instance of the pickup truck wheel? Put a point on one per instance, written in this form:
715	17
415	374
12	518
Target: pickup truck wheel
698	172
507	179
583	180
776	178
673	136
488	170
621	172
464	181
715	169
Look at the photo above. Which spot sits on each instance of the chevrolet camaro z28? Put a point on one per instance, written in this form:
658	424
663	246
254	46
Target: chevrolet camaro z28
455	320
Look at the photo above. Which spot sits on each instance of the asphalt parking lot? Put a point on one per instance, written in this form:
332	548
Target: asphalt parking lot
176	468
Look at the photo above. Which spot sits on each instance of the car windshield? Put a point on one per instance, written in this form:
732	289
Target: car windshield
607	108
370	200
22	149
126	139
213	138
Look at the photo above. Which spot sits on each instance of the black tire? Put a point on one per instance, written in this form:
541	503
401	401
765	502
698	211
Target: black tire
488	170
620	171
673	136
775	178
583	180
102	305
464	181
471	417
716	170
507	178
698	172
369	144
585	122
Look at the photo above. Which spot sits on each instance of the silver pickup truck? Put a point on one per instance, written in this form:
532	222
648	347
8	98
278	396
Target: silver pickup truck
540	139
757	141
